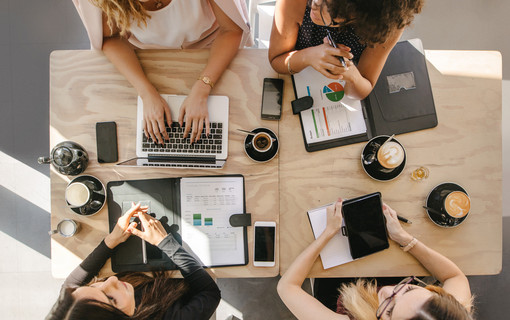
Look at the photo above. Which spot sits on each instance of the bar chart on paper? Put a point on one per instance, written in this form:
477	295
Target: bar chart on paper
206	205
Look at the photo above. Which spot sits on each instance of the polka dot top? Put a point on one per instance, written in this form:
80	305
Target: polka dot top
311	35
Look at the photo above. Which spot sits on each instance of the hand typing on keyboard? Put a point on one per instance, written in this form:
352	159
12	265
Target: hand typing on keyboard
155	110
195	109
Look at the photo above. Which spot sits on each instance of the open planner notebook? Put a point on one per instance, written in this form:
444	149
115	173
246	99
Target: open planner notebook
400	102
200	207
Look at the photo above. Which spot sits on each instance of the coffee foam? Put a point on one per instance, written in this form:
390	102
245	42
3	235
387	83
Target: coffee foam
390	155
457	204
77	194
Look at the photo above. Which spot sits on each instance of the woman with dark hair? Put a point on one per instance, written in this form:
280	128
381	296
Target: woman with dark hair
363	300
364	30
137	295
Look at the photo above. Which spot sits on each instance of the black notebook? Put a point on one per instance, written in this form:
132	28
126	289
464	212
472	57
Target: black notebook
363	231
197	210
400	102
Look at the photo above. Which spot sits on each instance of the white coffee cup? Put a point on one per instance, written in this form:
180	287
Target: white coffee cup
66	228
262	142
77	194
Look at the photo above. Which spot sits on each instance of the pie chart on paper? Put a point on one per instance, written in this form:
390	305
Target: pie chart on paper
334	91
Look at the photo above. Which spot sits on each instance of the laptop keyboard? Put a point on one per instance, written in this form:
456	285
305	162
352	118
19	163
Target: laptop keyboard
176	143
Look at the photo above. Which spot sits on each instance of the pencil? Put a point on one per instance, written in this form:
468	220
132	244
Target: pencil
403	219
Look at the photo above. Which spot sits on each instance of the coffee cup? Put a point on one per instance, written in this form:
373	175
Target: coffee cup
85	195
262	142
66	228
390	155
457	204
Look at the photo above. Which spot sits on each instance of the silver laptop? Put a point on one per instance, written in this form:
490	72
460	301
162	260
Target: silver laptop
177	152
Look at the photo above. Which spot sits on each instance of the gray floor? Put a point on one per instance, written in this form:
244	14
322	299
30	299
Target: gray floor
31	29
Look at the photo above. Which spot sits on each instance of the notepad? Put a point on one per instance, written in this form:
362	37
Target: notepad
363	230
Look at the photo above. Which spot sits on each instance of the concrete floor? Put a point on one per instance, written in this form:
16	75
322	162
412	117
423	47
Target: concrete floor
31	29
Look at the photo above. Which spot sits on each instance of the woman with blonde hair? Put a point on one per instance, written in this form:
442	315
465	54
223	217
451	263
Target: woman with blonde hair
363	300
119	26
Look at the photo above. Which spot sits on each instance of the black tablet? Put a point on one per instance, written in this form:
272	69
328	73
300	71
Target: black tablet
365	225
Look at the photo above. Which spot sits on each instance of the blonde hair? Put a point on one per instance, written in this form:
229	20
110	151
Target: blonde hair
360	300
120	13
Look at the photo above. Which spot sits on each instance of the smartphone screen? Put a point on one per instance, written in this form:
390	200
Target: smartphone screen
272	99
106	140
264	243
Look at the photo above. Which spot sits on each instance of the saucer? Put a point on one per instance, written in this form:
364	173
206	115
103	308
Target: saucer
374	170
260	156
435	201
99	190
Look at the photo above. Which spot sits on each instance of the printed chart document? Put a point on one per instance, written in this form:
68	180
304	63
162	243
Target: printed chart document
337	251
206	206
333	114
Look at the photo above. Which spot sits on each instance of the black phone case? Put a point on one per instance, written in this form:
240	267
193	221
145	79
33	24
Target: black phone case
106	142
351	211
278	86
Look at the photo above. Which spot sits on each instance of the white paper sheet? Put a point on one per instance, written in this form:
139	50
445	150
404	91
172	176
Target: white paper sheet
206	206
333	114
336	252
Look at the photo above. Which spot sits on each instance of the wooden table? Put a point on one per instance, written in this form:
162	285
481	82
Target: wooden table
85	88
464	148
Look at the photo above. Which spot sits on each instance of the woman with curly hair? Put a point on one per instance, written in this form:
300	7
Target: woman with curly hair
135	295
220	25
364	30
363	300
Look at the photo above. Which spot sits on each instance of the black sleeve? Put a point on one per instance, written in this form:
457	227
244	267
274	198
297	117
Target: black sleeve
89	267
204	295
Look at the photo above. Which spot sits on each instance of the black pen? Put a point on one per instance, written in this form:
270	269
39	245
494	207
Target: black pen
333	44
403	219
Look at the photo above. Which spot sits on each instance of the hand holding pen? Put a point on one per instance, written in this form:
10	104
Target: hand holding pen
334	45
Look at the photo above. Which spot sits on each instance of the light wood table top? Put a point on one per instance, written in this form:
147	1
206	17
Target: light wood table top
464	148
85	88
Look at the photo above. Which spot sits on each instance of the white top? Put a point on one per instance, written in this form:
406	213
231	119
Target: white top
92	20
180	22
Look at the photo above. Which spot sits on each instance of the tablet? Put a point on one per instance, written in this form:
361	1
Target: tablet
365	225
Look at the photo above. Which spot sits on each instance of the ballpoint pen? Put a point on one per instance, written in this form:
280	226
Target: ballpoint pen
333	44
403	219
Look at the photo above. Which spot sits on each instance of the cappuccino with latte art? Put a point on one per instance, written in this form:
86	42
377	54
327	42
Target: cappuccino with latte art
390	155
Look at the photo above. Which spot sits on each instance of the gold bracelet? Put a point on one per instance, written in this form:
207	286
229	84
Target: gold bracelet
410	245
206	80
288	66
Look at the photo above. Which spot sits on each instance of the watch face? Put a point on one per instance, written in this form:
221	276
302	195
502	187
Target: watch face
206	80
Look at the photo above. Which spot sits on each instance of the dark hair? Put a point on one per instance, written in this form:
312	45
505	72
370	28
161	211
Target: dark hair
375	20
158	292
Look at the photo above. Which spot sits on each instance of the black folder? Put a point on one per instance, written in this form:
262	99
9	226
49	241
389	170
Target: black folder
164	197
400	102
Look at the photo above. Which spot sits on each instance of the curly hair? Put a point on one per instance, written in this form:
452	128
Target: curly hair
375	20
120	13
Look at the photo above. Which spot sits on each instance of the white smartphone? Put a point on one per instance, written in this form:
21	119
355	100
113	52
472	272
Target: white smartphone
264	244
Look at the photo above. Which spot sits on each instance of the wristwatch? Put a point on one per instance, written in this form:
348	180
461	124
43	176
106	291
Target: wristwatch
206	80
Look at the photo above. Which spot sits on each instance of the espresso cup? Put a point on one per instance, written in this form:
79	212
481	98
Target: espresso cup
390	155
457	204
66	228
262	142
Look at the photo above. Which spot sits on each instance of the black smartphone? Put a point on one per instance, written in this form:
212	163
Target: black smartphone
106	141
365	224
272	99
